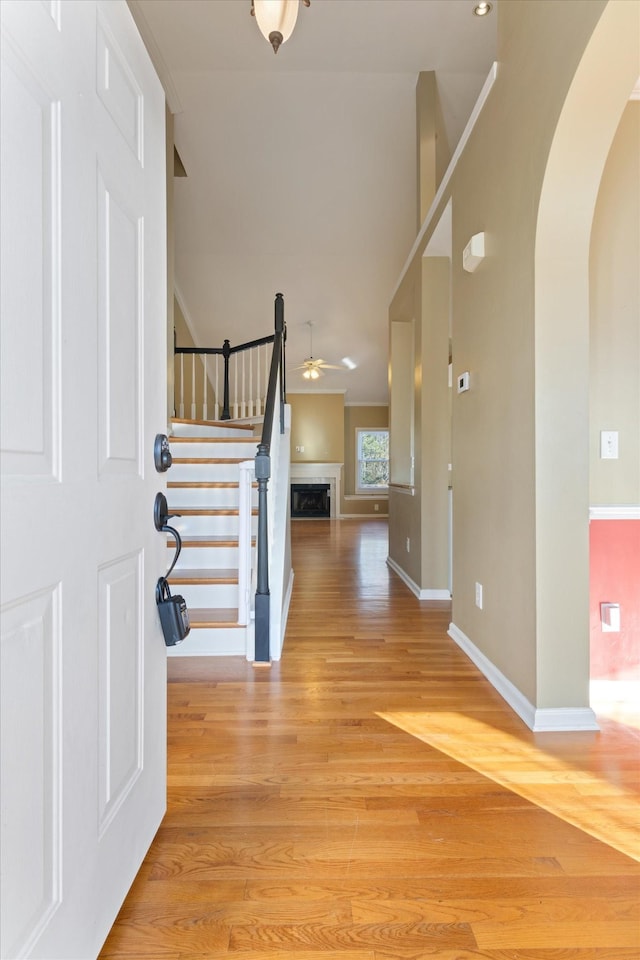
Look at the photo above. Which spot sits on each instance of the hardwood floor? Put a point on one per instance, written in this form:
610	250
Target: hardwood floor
371	797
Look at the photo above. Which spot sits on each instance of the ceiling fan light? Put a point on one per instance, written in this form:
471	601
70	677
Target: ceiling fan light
276	19
311	373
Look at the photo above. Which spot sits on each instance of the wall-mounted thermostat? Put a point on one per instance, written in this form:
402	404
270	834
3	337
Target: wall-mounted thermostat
463	382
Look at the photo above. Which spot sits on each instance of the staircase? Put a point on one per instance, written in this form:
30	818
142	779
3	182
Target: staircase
212	465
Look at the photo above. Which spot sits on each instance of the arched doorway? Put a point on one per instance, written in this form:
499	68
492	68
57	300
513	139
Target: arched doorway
584	133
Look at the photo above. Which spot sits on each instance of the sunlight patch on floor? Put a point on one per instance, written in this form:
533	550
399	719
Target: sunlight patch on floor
618	700
604	809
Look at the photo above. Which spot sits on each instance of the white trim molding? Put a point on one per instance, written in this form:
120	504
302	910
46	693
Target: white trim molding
548	720
629	511
421	593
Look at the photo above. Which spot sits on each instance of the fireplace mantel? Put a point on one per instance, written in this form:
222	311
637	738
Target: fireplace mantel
321	473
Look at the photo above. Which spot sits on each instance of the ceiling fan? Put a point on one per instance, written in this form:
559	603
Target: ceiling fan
313	367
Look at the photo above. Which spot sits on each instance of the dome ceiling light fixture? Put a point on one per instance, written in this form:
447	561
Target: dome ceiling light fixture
276	19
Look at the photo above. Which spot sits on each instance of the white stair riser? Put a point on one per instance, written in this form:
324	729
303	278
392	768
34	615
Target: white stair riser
210	641
204	472
225	525
206	558
208	451
221	642
197	430
207	595
205	497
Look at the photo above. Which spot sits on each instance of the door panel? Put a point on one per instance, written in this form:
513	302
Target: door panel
30	203
30	742
83	370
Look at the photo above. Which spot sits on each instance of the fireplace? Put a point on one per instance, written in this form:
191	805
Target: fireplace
324	473
310	500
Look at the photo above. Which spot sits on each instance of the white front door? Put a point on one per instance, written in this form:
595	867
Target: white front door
83	367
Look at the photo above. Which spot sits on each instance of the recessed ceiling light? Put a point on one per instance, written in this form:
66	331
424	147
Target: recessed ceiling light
482	9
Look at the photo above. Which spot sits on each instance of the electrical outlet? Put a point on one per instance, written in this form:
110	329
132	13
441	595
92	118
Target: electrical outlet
408	545
479	596
299	449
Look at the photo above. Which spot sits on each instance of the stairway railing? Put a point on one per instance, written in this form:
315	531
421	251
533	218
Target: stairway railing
275	395
248	401
200	394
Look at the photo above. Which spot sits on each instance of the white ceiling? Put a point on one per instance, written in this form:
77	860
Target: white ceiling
301	166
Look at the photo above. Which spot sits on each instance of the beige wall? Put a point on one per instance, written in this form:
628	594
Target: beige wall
405	517
518	465
184	339
355	417
433	152
435	418
615	318
325	427
317	424
590	115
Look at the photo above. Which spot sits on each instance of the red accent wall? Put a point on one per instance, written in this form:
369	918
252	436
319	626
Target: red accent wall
615	578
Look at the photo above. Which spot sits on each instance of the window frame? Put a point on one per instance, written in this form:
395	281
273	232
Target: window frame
369	490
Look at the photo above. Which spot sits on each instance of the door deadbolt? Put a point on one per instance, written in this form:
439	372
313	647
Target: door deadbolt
162	453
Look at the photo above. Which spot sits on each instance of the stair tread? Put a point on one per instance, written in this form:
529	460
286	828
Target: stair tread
225	424
209	460
207	540
251	439
200	617
203	484
204	576
207	511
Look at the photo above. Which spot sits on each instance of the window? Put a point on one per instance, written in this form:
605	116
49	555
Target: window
372	460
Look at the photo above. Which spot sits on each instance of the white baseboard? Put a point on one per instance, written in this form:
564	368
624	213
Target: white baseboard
363	516
285	613
420	593
555	720
614	512
539	720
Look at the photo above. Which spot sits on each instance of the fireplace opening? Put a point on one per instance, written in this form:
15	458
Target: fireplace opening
310	500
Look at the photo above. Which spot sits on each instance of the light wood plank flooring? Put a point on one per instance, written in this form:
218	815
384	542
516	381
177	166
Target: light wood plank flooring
371	797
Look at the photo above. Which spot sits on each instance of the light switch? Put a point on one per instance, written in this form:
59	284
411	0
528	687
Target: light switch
608	444
610	617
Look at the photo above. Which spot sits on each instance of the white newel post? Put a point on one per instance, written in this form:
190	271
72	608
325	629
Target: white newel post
205	410
216	402
193	386
181	406
244	541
